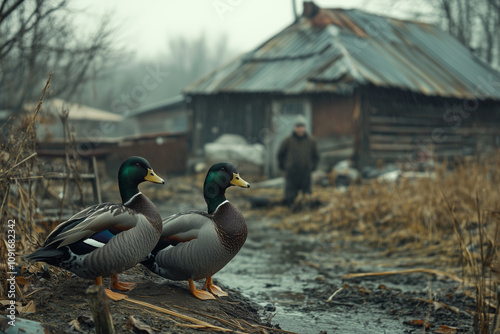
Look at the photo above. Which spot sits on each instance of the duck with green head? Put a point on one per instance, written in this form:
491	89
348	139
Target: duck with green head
109	238
196	245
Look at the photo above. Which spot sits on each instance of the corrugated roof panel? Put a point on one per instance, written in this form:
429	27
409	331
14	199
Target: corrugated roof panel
377	27
398	70
335	71
294	42
351	47
271	76
452	56
388	71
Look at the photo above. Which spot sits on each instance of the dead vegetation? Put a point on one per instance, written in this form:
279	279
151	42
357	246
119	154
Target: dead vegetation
447	223
24	185
18	205
36	204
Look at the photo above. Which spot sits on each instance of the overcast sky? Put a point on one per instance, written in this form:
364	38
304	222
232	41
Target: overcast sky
146	26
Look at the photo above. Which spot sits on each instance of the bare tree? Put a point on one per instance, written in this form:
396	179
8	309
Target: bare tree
38	37
474	23
185	61
191	59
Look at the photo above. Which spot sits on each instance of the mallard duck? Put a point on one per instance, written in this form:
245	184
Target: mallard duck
196	245
109	238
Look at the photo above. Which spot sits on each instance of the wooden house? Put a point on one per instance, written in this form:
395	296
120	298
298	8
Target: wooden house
156	132
373	88
169	115
83	120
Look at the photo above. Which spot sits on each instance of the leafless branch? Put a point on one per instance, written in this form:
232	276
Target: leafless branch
38	37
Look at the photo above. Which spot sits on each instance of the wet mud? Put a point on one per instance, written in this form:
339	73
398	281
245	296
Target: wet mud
298	279
288	281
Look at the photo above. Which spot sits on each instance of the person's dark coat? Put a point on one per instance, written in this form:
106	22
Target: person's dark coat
298	154
298	157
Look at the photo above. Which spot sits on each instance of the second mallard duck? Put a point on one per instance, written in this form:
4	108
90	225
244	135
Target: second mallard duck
196	245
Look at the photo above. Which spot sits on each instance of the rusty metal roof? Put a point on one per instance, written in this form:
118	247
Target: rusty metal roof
337	50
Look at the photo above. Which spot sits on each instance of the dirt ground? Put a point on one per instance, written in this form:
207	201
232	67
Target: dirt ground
360	305
292	292
281	281
61	303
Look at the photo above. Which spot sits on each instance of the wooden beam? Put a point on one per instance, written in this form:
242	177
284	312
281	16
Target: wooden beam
391	138
396	146
99	307
96	186
404	120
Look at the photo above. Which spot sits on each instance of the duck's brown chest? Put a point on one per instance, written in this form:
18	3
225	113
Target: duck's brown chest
231	227
143	205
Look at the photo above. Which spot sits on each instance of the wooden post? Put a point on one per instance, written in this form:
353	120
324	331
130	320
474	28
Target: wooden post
99	307
95	182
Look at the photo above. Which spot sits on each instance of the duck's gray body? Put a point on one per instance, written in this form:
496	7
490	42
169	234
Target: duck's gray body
103	239
196	245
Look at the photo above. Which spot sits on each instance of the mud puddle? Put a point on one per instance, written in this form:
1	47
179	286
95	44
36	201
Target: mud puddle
292	277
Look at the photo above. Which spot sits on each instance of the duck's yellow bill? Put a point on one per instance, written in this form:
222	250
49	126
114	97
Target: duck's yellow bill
152	177
238	181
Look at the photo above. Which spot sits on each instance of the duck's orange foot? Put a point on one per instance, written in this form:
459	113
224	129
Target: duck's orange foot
111	295
200	294
123	286
214	289
117	285
114	295
217	291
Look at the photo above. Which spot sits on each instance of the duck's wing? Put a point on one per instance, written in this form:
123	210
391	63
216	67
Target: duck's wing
108	218
185	226
182	227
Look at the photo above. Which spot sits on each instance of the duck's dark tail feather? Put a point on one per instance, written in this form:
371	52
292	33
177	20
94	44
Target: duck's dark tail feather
48	255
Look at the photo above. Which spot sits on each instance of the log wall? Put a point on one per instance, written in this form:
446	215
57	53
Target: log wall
406	127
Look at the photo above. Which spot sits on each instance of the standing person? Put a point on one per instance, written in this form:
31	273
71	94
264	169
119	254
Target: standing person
298	157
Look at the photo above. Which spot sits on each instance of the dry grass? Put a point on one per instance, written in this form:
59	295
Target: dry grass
449	221
21	185
17	197
422	213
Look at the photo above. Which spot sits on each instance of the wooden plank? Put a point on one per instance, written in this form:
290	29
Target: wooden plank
343	153
335	144
479	131
99	306
399	129
411	147
390	138
96	186
464	131
363	130
60	151
405	120
408	111
406	155
63	176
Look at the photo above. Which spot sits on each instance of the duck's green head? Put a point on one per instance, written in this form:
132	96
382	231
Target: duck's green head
134	171
220	177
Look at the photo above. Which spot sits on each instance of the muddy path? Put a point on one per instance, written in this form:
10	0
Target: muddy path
294	276
279	279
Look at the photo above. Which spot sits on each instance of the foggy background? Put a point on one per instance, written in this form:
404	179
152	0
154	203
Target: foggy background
102	49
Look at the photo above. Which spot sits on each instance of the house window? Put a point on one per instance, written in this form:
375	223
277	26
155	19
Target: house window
291	108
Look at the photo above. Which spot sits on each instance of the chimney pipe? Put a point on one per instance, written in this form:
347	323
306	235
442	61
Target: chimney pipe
310	9
294	7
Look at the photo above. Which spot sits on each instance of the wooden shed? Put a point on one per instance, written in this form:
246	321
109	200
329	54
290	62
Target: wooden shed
169	115
373	88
